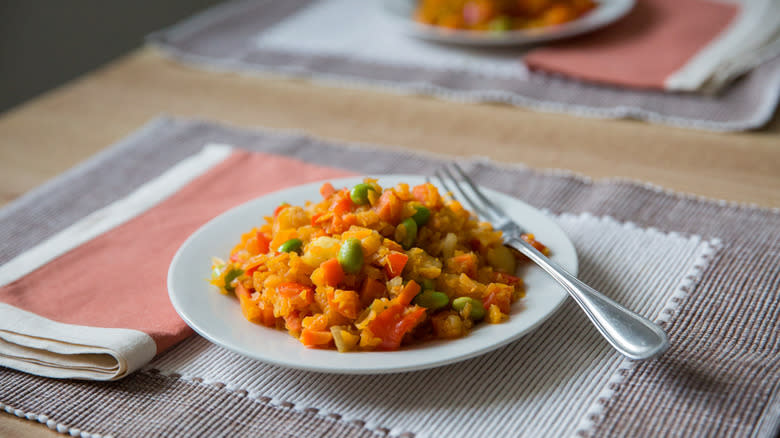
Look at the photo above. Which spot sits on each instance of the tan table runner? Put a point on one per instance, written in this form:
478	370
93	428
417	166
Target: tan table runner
707	271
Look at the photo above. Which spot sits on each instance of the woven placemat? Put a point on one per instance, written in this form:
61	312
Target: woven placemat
233	37
707	271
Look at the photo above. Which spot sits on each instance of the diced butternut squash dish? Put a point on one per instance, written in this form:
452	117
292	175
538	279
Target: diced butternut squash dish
372	268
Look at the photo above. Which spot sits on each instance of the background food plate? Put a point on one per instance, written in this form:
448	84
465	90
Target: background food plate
218	317
605	12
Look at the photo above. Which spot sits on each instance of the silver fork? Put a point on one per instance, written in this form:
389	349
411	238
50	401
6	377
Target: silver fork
629	333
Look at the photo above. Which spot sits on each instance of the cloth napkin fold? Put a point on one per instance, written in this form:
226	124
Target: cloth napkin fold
673	45
91	301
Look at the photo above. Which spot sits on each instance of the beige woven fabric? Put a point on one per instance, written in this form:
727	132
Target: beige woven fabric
547	384
720	377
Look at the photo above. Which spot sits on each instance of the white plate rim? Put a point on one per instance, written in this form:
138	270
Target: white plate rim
606	12
329	361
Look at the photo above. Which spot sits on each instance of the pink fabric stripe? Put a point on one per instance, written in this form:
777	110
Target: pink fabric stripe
118	279
643	49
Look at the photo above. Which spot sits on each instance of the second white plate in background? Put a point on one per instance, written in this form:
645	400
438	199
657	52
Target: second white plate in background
605	12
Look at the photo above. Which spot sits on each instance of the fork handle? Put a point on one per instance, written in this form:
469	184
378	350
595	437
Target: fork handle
632	335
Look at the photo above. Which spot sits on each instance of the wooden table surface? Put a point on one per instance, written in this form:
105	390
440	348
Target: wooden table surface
50	134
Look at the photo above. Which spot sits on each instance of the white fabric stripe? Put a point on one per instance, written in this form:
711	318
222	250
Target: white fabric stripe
738	47
543	385
100	221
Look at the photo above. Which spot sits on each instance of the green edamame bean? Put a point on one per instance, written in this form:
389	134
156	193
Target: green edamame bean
292	245
460	302
477	309
351	256
430	299
406	233
427	284
359	193
422	215
501	23
230	276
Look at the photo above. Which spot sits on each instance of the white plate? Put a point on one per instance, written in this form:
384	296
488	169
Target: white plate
218	317
605	12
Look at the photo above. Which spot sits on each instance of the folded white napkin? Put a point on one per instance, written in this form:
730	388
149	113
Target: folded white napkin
37	345
750	39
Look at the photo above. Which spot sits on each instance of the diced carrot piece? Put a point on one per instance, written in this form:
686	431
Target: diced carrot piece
297	294
408	293
428	195
315	338
327	190
372	289
343	204
420	193
263	242
293	321
389	207
395	263
292	289
349	220
332	272
341	223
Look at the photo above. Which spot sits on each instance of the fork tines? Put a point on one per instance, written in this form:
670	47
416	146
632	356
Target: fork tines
467	192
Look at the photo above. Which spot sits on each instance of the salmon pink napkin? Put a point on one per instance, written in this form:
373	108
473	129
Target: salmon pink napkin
91	302
660	44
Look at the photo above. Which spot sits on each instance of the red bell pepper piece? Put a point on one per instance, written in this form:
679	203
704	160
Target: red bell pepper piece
395	263
393	323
